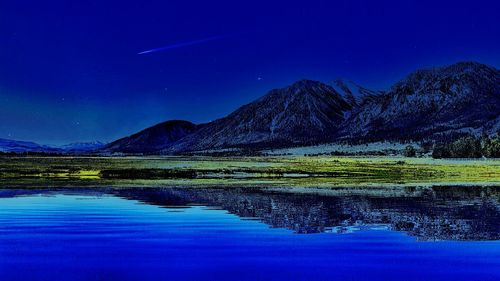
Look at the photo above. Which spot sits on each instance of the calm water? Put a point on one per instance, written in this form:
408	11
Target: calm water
438	233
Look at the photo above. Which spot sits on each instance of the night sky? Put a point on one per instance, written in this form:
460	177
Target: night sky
99	70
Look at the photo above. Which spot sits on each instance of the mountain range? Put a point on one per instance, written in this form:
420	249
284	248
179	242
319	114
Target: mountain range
429	104
464	97
15	146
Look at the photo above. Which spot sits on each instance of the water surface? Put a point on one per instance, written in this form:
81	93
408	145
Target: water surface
439	233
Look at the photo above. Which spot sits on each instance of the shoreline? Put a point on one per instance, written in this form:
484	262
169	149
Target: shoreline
250	171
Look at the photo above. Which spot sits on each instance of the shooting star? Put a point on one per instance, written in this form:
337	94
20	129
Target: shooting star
182	44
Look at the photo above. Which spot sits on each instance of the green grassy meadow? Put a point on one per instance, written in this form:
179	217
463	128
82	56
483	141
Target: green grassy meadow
271	171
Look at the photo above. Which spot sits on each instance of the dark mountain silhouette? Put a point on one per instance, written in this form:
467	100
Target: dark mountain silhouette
152	139
303	113
427	104
460	98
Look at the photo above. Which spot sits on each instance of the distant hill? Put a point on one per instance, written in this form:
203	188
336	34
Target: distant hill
23	146
152	139
427	104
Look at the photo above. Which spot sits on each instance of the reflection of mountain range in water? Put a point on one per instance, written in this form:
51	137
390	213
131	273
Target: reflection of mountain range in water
437	213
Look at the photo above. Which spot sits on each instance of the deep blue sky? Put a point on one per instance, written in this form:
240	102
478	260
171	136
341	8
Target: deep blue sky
70	70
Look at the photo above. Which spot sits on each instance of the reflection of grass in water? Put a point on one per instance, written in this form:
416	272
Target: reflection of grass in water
290	171
89	174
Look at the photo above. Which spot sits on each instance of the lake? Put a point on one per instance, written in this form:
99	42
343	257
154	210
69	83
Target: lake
184	233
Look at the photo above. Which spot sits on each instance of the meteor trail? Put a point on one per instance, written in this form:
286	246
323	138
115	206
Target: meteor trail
181	44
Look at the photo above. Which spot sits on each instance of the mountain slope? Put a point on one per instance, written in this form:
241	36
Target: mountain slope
353	93
152	139
305	112
464	97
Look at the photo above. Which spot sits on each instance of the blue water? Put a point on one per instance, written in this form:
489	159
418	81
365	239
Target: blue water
105	236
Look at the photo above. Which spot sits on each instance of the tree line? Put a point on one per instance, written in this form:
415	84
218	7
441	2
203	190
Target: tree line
469	147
